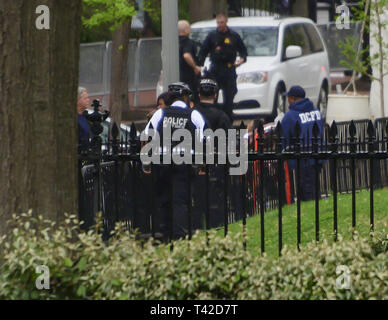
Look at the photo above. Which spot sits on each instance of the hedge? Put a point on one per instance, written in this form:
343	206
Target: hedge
82	266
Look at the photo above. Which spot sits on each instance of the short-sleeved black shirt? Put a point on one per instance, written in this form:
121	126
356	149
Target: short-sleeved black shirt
223	47
186	45
215	118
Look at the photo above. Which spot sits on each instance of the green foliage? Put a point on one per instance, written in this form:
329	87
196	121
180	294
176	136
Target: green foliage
377	9
183	9
98	22
352	59
82	266
112	13
154	9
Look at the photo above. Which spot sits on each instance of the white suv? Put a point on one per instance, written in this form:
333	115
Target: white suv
281	53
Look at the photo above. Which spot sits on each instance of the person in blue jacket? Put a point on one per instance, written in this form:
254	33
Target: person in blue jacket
302	110
83	103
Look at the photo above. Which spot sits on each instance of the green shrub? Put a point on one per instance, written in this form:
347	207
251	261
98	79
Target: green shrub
82	266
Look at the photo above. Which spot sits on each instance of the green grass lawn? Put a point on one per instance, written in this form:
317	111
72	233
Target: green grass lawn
326	221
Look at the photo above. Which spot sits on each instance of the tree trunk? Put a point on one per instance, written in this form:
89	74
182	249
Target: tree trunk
206	9
220	6
119	76
200	10
300	8
380	43
38	97
304	8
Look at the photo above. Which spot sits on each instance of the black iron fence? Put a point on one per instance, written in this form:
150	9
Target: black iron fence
258	7
347	157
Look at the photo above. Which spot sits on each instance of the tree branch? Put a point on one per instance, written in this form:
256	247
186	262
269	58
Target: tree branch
359	48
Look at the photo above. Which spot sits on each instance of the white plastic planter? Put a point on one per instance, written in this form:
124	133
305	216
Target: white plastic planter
347	107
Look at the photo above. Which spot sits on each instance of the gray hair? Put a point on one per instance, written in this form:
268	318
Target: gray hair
81	90
183	27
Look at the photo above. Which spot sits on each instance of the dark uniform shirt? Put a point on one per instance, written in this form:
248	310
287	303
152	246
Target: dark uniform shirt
223	48
186	73
83	133
179	116
215	118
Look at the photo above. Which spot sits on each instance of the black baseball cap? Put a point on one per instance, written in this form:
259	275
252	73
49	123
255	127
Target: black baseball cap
295	91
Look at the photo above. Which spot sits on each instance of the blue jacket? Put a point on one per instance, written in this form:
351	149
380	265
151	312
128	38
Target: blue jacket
304	112
83	133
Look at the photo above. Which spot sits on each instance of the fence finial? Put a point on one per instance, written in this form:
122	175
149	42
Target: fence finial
333	137
316	130
279	135
132	138
150	128
371	136
260	130
352	129
297	130
386	127
352	134
333	130
279	129
242	125
115	134
371	130
315	137
115	131
132	133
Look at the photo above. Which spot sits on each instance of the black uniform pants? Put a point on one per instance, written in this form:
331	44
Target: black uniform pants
226	79
307	183
193	83
172	198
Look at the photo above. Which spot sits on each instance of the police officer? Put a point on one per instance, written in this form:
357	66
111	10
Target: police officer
189	71
302	110
174	177
223	45
216	118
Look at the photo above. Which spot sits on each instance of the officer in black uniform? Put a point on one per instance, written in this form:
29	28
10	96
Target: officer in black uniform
174	178
223	45
215	119
189	71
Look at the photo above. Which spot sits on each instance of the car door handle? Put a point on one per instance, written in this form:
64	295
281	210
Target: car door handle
303	65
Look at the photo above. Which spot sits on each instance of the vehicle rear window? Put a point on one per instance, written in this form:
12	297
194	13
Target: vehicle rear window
260	41
315	40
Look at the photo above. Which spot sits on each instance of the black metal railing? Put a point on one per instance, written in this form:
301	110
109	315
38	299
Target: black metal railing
257	7
347	157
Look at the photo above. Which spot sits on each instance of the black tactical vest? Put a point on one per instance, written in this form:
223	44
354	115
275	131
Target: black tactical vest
225	48
178	118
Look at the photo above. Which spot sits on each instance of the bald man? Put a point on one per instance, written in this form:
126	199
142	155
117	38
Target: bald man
189	71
